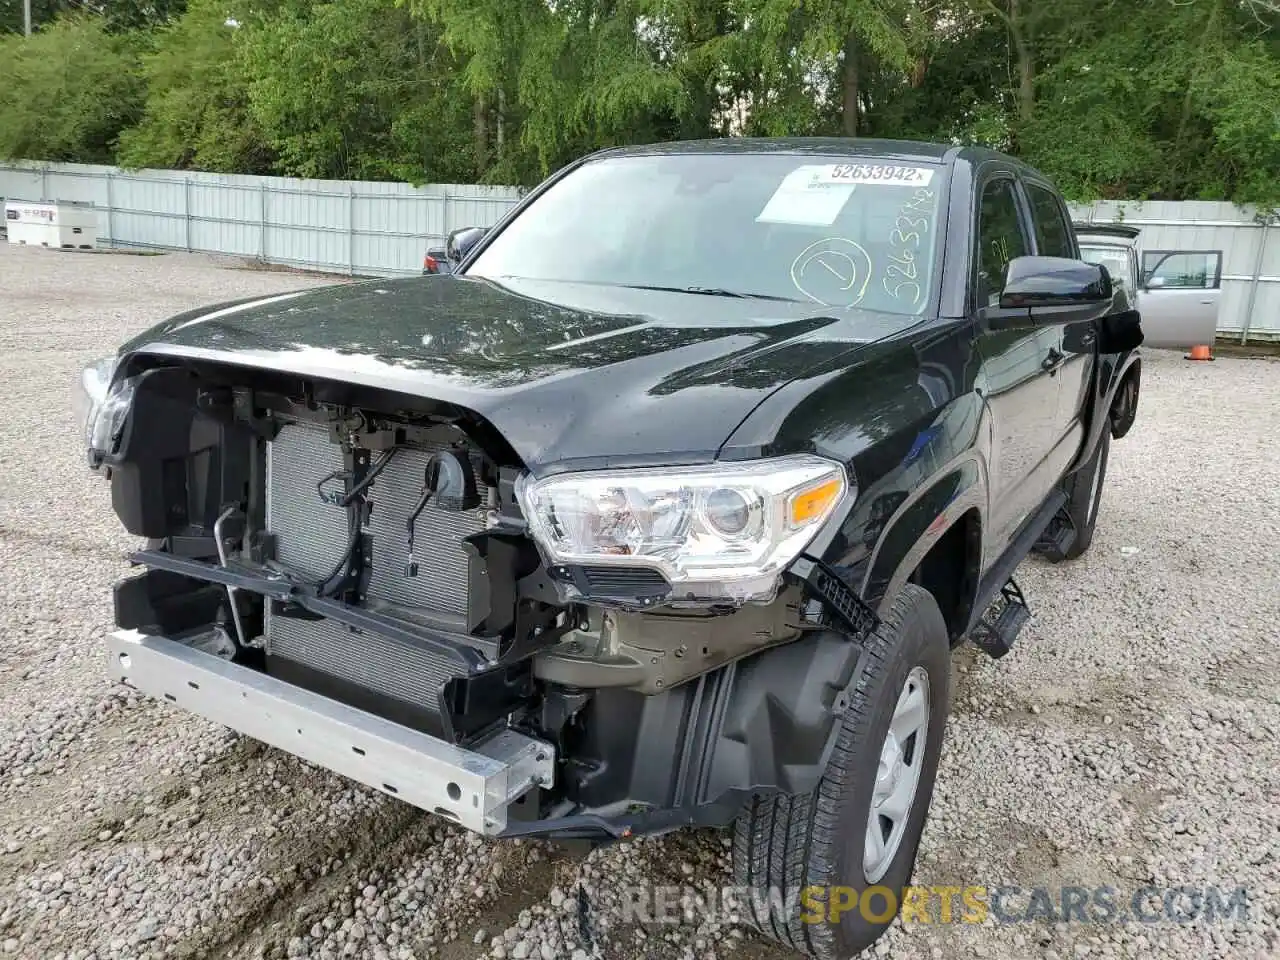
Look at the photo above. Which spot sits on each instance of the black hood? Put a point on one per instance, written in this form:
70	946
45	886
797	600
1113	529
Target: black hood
565	371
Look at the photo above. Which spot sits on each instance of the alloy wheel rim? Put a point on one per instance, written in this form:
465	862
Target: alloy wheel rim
897	776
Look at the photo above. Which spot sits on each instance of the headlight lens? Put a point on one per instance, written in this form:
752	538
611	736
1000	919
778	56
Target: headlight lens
101	408
719	531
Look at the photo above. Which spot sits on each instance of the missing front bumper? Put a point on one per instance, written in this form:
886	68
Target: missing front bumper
473	787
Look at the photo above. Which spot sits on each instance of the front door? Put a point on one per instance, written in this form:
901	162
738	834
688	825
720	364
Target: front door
1181	293
1017	377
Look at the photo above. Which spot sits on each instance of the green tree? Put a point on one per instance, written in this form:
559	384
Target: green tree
197	108
1196	117
1113	98
354	89
68	91
119	15
42	12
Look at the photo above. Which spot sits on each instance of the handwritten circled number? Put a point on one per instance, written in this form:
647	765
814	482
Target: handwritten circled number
833	272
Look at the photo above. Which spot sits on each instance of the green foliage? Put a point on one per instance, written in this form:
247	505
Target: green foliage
197	109
42	11
1112	98
68	91
1196	117
119	15
122	15
353	89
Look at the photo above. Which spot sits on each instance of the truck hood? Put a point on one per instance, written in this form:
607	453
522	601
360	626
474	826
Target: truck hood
567	372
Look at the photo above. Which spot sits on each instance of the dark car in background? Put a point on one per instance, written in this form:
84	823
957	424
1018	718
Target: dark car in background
436	261
444	259
666	511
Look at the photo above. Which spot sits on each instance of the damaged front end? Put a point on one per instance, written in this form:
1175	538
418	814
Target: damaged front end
378	583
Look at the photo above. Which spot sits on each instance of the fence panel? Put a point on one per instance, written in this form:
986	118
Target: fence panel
340	226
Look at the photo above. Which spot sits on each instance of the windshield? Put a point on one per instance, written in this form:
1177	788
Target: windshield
824	230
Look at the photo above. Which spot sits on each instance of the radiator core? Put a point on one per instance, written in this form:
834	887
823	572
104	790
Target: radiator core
311	537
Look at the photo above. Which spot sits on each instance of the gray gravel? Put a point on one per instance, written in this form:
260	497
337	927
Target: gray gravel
1131	738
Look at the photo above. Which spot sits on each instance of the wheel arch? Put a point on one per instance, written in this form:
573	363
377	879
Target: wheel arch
1113	372
935	541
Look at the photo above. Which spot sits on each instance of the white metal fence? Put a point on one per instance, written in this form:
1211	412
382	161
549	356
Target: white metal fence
329	225
384	228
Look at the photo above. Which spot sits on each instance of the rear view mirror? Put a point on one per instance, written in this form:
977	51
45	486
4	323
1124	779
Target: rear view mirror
461	241
1054	282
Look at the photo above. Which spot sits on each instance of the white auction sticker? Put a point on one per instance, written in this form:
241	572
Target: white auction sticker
884	174
806	197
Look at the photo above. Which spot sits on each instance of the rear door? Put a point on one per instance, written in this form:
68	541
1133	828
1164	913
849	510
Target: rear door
1077	350
1181	294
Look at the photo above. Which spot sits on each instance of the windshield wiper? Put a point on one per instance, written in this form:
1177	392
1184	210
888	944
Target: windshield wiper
710	292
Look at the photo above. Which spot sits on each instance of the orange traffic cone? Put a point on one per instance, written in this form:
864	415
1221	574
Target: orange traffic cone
1200	351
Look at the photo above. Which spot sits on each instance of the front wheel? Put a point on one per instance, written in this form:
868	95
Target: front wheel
827	870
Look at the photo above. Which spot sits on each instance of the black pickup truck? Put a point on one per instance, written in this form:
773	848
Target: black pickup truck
664	509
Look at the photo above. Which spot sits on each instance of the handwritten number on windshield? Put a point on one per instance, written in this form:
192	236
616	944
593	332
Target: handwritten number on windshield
902	276
903	266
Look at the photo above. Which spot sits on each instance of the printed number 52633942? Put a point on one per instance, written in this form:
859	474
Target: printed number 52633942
875	173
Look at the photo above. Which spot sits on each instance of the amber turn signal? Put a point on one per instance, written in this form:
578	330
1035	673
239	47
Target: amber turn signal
813	503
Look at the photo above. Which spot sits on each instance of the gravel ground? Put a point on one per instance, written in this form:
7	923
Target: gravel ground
1130	740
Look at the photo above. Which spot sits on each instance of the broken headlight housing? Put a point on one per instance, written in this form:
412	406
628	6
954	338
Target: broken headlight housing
715	532
102	406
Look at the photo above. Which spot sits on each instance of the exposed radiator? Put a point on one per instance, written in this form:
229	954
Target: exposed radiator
311	537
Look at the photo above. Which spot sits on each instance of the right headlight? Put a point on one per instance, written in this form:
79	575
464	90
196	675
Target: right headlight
720	531
101	406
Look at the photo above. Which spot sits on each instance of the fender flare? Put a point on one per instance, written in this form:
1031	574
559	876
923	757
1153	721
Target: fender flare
1104	396
924	519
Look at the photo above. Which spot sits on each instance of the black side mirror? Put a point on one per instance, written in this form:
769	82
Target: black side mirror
461	241
1054	282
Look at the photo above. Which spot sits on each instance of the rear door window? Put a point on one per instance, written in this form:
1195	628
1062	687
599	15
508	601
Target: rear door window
1182	269
1053	231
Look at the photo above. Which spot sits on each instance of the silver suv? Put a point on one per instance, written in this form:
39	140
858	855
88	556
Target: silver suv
1176	291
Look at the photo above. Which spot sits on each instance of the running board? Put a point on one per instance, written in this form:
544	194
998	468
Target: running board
1001	622
1002	570
997	587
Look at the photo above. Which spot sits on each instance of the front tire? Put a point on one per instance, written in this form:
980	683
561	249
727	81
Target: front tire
809	860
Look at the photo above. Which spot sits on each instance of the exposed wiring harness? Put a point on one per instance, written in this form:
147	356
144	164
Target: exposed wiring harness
338	576
345	500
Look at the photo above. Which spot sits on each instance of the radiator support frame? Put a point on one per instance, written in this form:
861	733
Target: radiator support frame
468	704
